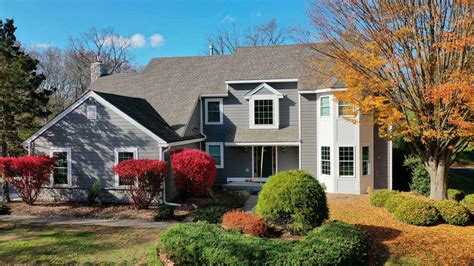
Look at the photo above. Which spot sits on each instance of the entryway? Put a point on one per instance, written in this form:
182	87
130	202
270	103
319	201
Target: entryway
264	161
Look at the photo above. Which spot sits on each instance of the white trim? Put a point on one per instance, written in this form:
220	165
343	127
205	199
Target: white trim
390	165
250	94
275	107
184	142
92	94
221	146
321	90
354	163
69	166
253	166
259	81
237	144
116	152
221	111
220	95
299	131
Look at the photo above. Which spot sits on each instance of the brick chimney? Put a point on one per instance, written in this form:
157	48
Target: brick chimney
97	70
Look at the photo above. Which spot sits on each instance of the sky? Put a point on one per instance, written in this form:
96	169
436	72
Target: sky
154	28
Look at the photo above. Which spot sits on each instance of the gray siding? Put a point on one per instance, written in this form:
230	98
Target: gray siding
194	124
288	159
92	144
308	133
237	161
381	161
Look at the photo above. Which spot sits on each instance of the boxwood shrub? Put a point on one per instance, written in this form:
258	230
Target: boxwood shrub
455	194
294	200
378	197
392	203
417	212
333	243
452	212
468	203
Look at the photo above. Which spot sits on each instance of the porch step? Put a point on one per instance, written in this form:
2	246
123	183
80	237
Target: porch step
242	185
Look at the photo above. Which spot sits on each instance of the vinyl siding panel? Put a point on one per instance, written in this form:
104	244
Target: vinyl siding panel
288	159
308	133
194	124
381	161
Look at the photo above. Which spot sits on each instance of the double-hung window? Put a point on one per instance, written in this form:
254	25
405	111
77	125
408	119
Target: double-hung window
122	154
343	108
365	161
325	160
61	175
216	150
264	112
346	161
324	106
214	113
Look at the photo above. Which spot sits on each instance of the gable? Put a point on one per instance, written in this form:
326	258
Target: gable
264	89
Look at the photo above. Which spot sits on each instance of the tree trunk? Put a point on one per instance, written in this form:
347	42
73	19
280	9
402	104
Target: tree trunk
6	193
438	171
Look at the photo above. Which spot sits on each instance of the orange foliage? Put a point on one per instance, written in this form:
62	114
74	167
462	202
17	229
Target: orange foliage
244	223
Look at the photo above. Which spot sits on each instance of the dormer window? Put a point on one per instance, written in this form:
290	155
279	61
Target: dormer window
264	107
92	111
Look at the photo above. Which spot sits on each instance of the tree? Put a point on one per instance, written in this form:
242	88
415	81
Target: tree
410	64
21	102
226	39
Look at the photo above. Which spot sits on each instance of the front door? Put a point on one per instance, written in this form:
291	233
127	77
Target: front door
264	161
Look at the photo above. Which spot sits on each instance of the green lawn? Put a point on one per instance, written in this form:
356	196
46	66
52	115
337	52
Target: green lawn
67	244
462	179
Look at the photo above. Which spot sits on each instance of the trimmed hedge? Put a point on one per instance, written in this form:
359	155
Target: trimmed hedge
294	200
455	194
334	243
378	197
452	212
417	212
468	203
211	214
392	203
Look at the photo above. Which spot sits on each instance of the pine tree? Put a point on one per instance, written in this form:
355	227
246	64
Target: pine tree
22	104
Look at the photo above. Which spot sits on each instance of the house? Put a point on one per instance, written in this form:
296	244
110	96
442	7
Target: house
257	112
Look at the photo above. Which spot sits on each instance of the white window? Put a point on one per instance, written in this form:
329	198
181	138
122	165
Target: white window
264	112
365	161
324	106
122	154
343	108
325	160
92	112
61	175
346	161
216	150
214	111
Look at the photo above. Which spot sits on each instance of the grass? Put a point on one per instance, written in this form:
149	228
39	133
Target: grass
462	179
67	244
395	243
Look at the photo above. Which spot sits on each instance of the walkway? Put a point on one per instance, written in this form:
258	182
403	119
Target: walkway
78	221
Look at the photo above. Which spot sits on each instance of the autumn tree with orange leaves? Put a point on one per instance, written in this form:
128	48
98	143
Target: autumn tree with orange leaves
409	63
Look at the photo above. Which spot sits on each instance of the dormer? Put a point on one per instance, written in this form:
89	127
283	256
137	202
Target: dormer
264	107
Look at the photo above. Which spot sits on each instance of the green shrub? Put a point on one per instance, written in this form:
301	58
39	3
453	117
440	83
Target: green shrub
294	200
333	243
164	213
420	181
417	212
468	203
211	214
237	199
455	194
94	192
452	212
378	197
392	203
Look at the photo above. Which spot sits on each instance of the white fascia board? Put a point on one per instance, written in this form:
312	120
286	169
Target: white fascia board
237	144
215	95
321	90
259	81
263	86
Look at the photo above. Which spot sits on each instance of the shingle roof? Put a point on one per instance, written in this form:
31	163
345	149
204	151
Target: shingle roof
173	85
241	134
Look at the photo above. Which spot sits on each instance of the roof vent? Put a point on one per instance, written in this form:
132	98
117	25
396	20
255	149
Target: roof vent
212	50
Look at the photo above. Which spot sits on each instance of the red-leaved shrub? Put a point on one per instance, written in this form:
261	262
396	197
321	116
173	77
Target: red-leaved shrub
245	223
27	174
143	178
194	171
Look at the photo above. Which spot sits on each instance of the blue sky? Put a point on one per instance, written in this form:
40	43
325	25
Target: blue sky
182	25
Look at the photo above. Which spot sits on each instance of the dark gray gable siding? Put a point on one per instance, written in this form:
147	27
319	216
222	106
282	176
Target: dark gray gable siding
194	123
308	133
92	144
381	161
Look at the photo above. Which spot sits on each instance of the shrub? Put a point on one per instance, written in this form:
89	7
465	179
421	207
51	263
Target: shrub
194	171
417	212
244	223
211	214
455	194
333	243
420	181
237	199
294	200
143	178
94	192
392	203
164	213
452	212
27	174
468	203
4	209
378	197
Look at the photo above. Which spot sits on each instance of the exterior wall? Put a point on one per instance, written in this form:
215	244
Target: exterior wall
194	124
237	163
308	154
382	160
288	159
92	144
366	138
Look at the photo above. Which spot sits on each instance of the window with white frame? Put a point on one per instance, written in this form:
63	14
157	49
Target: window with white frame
346	161
324	106
325	160
343	108
264	112
123	154
92	112
61	175
365	161
216	150
214	113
